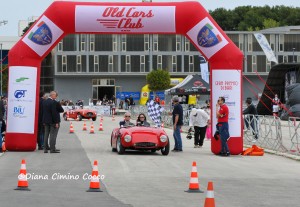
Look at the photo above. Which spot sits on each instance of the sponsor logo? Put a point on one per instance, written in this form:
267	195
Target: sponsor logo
198	84
42	35
19	93
19	111
124	18
230	103
21	79
207	38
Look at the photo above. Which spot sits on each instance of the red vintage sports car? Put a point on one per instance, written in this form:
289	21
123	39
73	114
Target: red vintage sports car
80	114
140	138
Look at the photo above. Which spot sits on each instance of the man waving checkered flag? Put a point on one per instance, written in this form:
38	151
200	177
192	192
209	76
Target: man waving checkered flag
154	111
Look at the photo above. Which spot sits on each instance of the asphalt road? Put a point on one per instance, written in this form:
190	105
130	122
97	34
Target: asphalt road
146	179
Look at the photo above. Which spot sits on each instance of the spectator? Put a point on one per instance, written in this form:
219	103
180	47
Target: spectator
198	119
184	99
126	121
276	105
177	116
142	120
222	113
251	118
2	111
157	99
41	131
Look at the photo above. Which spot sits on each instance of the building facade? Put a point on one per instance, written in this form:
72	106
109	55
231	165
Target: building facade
89	66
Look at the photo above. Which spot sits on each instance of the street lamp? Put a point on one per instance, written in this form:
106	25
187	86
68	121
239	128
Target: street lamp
4	22
293	55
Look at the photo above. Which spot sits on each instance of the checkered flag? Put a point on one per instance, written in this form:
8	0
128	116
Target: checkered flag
154	111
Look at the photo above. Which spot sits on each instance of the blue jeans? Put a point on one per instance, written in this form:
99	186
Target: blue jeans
224	135
177	138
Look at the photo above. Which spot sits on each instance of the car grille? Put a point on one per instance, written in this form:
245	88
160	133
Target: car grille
145	144
89	114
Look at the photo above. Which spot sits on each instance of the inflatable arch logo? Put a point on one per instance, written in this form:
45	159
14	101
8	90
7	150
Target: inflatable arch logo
62	18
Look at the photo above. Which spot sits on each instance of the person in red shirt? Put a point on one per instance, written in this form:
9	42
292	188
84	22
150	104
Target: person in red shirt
222	113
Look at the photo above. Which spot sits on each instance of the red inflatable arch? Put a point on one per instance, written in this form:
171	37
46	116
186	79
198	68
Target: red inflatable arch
62	18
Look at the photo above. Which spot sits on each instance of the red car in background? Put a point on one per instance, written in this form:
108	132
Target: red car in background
140	138
80	114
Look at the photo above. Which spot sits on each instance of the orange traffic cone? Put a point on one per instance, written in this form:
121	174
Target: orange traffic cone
113	117
92	131
95	183
101	126
84	127
101	117
71	128
22	178
194	182
3	147
162	125
210	198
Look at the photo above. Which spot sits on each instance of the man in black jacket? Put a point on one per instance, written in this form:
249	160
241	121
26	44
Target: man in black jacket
51	121
251	118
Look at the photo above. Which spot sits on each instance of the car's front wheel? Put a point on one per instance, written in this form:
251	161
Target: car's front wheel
120	148
112	149
94	118
166	149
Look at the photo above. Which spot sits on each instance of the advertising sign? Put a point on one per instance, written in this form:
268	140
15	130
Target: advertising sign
21	99
42	36
227	83
118	19
207	37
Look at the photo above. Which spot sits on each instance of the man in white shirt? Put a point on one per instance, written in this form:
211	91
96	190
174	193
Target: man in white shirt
199	119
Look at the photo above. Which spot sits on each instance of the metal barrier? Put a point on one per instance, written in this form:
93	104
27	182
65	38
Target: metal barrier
294	125
268	132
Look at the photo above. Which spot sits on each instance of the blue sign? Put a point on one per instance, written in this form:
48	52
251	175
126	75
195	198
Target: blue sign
160	94
135	95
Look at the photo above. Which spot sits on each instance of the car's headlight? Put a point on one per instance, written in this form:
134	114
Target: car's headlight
127	138
163	138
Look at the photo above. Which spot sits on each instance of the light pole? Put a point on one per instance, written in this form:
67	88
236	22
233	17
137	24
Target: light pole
293	55
4	22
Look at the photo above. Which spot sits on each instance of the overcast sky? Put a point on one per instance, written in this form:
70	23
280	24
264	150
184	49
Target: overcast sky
15	10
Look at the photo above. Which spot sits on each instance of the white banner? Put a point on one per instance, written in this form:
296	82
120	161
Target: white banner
207	37
263	42
227	83
42	36
204	72
21	99
118	19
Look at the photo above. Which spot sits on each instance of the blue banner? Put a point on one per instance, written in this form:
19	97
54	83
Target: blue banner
123	95
160	94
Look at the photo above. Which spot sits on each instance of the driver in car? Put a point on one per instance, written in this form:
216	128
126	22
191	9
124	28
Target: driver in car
142	120
126	121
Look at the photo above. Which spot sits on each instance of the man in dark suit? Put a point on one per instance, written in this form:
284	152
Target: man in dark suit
51	121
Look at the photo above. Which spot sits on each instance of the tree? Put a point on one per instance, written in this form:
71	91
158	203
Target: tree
27	28
158	80
270	23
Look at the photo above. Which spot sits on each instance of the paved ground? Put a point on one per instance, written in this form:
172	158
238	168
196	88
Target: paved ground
145	179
